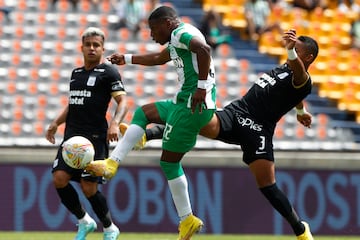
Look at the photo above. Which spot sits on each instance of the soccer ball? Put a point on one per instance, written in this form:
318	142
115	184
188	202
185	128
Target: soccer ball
78	152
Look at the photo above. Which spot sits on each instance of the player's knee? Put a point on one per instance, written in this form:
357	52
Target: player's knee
88	188
60	179
171	170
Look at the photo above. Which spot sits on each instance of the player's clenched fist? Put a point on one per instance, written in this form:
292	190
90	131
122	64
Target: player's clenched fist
116	58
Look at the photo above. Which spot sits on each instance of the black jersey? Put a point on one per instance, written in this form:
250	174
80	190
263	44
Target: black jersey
90	94
272	96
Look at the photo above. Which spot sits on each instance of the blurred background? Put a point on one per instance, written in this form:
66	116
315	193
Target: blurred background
318	167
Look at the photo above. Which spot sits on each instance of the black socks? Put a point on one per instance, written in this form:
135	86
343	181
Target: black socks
99	204
281	203
70	199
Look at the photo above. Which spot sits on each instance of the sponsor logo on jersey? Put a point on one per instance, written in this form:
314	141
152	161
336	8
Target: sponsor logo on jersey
247	122
76	101
77	96
178	62
80	93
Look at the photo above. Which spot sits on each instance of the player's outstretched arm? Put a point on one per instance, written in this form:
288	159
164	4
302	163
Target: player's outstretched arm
148	59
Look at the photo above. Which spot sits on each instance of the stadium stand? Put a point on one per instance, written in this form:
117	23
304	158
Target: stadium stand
40	47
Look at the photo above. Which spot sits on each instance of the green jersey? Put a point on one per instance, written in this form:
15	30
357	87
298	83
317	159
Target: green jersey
186	65
183	125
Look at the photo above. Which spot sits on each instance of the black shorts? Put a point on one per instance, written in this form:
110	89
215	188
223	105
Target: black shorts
254	138
101	152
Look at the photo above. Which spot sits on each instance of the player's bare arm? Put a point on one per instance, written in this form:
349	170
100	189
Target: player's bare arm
152	59
120	112
50	132
149	59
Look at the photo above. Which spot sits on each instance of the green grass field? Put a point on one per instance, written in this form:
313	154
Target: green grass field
152	236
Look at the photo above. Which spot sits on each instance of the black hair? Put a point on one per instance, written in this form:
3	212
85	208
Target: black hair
311	45
163	12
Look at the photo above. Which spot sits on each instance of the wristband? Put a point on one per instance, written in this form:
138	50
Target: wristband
292	55
301	111
204	84
128	58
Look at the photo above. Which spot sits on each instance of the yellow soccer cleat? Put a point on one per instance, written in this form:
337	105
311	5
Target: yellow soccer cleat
140	144
307	234
189	226
103	168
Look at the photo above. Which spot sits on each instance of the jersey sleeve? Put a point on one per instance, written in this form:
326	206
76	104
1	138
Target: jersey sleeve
181	37
117	86
185	38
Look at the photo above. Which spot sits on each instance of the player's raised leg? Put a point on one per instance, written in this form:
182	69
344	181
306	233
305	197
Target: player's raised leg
133	134
140	144
155	132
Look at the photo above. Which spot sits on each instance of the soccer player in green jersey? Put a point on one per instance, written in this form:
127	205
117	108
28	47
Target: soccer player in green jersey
191	108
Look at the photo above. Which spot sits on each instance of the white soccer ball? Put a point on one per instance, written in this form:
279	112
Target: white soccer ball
78	152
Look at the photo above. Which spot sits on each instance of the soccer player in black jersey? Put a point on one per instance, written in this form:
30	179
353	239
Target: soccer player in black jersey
250	121
92	86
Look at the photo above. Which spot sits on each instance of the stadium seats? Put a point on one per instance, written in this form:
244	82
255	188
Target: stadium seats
224	51
12	73
270	43
42	47
16	128
124	34
222	6
333	88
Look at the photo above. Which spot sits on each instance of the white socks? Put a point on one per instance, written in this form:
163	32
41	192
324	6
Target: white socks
180	194
132	135
178	186
86	218
111	228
